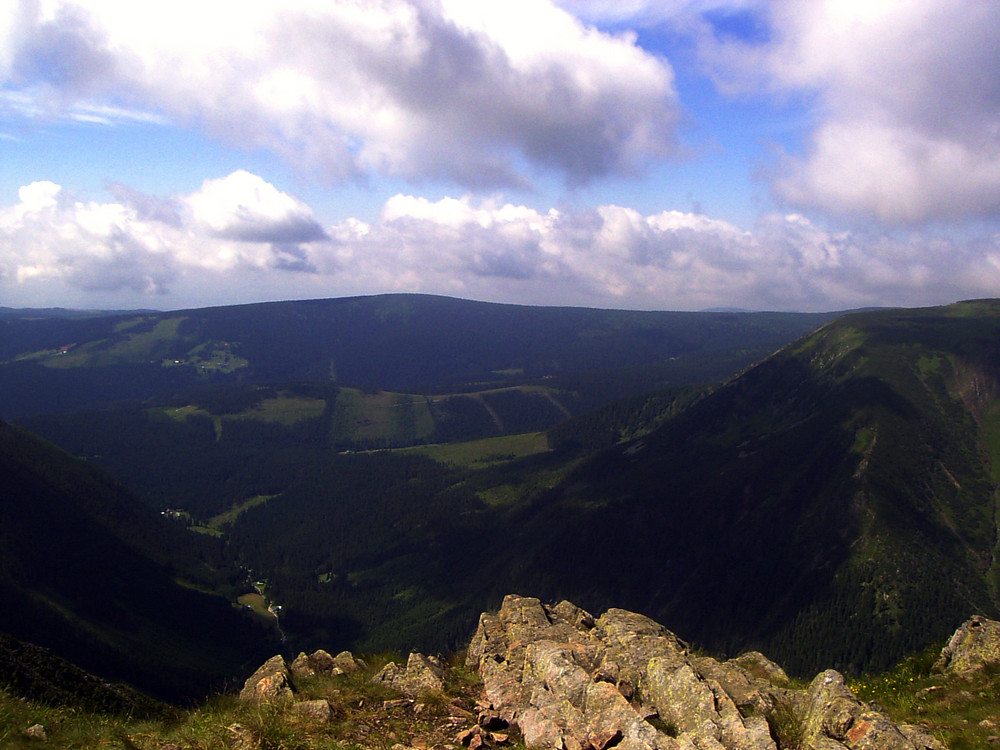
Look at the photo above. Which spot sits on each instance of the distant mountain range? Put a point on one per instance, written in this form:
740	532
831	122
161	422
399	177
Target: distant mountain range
412	343
833	504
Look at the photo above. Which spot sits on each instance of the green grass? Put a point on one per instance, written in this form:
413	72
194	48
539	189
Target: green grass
485	452
359	719
286	409
217	522
382	417
258	604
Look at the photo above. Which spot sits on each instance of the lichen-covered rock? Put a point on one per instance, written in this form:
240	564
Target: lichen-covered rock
551	671
423	674
759	665
921	739
700	707
973	646
270	683
573	682
317	710
320	662
835	718
36	732
345	661
301	668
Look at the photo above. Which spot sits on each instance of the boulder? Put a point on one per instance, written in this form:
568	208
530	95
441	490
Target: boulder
317	710
974	645
320	662
36	732
301	668
423	674
272	682
834	718
346	662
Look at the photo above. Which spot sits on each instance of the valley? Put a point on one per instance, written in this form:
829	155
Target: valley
832	503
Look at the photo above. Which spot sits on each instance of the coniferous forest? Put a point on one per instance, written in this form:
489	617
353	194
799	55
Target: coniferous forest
832	504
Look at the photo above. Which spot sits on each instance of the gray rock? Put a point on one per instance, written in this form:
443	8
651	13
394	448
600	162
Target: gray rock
921	739
572	682
423	674
272	682
301	668
973	646
36	732
346	662
758	665
833	713
320	662
318	710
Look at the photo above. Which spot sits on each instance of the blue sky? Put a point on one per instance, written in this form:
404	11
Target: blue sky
680	154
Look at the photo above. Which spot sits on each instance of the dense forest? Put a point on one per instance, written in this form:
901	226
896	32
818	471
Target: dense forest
831	505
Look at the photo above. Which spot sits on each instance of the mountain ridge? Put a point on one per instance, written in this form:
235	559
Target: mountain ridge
392	342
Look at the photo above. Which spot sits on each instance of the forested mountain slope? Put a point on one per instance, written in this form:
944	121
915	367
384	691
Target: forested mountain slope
834	505
89	571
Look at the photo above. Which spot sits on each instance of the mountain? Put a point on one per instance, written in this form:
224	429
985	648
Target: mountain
409	343
833	505
92	573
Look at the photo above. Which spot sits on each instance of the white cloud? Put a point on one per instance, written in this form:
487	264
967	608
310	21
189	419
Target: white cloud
240	239
481	93
143	244
907	102
242	206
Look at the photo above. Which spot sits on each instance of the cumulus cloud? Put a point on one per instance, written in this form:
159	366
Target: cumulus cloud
906	101
143	244
241	239
485	94
245	207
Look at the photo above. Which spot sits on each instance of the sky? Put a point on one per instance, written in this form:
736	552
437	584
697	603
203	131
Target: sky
638	154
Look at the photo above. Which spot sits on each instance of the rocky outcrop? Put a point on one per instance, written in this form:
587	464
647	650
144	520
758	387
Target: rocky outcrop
272	682
833	717
422	675
564	680
573	682
320	662
275	679
976	644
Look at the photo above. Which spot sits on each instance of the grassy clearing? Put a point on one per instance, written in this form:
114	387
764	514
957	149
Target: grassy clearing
257	603
221	520
127	347
181	413
286	409
486	452
390	418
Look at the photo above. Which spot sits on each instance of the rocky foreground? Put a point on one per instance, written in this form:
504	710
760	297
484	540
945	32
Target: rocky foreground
556	677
